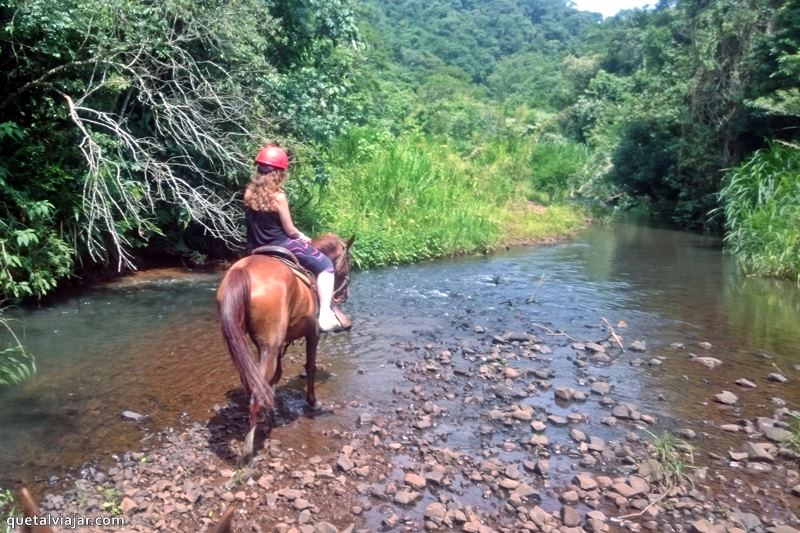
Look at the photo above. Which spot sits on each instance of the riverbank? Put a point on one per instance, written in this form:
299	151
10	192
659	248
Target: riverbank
489	428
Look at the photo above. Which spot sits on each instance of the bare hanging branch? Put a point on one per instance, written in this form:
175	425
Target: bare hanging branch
196	137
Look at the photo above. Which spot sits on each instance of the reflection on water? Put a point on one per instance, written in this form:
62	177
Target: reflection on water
155	347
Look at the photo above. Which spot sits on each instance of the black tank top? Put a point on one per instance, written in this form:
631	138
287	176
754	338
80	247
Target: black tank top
263	228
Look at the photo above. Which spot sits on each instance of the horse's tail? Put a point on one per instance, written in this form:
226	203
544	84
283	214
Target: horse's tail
233	308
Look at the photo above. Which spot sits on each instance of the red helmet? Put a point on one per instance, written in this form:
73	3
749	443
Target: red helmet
274	156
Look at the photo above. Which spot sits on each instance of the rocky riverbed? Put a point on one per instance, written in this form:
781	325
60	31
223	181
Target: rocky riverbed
512	427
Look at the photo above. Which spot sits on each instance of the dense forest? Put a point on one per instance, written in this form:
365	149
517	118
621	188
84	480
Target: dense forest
427	128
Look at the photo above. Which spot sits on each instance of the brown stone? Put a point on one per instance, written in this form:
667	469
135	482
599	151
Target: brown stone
570	517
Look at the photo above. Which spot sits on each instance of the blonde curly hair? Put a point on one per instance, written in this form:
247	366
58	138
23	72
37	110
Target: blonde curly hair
263	189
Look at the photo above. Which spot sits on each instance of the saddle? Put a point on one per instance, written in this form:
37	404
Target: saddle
289	259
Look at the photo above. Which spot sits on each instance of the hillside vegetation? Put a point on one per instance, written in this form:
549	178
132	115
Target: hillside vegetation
429	128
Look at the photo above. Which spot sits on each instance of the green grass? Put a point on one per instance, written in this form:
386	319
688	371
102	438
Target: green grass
413	198
674	456
761	204
794	440
558	167
8	509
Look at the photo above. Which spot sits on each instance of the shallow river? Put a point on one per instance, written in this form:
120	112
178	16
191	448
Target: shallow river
152	344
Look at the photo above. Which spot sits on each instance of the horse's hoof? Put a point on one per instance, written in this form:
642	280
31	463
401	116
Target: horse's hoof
316	407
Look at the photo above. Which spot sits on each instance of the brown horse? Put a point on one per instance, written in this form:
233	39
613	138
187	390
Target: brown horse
261	296
30	509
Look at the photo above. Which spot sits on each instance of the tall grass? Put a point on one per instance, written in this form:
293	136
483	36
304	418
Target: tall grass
413	198
558	167
761	203
16	364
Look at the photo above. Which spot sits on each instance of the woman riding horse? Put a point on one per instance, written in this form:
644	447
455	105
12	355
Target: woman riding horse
261	296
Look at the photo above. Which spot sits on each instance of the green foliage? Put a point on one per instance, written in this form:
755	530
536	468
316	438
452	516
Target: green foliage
126	123
559	167
16	364
413	198
761	205
794	440
8	510
112	500
674	456
33	257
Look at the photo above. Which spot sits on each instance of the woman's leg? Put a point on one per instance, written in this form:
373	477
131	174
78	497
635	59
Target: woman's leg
327	318
322	267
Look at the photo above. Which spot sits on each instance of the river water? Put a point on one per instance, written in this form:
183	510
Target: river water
151	344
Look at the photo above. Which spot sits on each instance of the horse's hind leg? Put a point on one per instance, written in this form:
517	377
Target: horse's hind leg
255	409
312	340
276	377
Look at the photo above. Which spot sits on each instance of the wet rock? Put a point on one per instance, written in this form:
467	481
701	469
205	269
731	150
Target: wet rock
539	516
133	416
391	522
542	467
626	411
760	451
344	463
796	490
778	434
601	387
749	521
406	497
782	529
563	393
509	484
436	512
709	362
704	526
730	428
777	377
705	345
569	497
325	527
577	435
570	517
522	412
128	505
726	397
638	346
557	420
596	444
538	426
594	347
601	358
737	456
415	480
539	440
584	482
746	383
687	433
639	485
609	421
511	373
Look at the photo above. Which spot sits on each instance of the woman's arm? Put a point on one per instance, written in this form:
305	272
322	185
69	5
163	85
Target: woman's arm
286	218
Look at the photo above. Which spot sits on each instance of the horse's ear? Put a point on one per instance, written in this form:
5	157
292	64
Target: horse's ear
351	240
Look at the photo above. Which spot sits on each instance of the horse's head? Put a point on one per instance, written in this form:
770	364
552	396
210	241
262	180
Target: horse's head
338	250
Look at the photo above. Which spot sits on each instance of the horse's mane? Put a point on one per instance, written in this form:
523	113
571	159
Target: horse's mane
328	243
